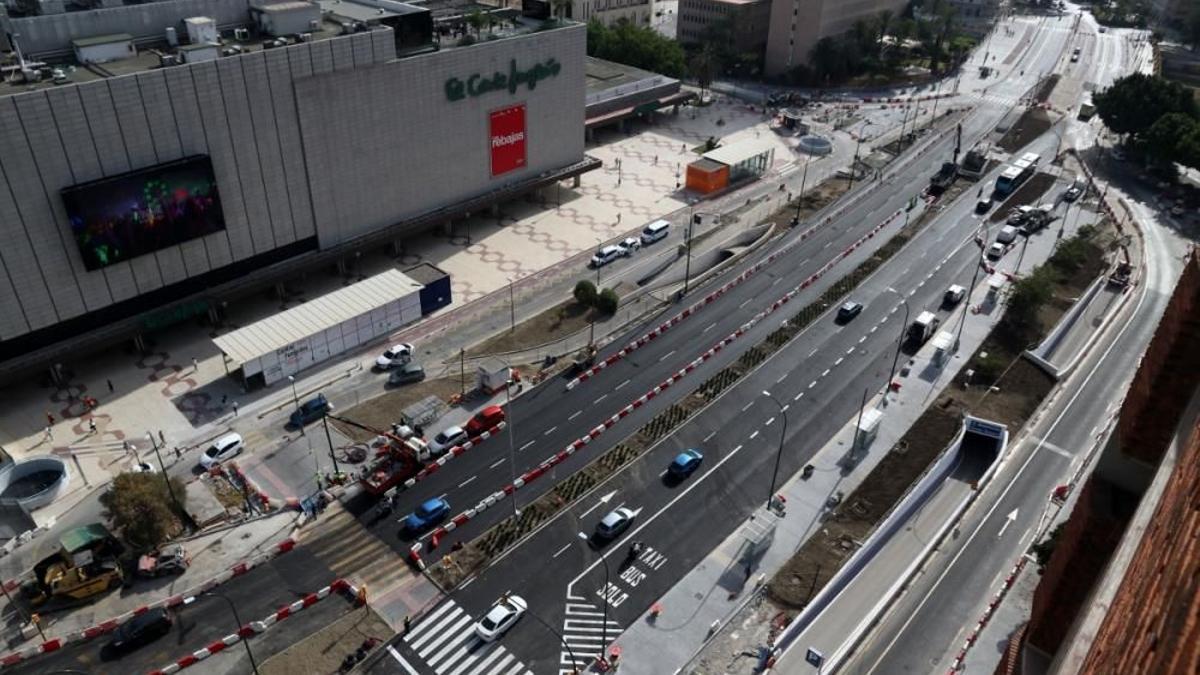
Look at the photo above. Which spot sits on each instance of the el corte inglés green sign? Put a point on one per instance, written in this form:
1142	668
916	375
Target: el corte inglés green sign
480	84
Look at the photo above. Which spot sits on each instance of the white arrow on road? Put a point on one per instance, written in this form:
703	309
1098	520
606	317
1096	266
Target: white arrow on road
603	500
1007	521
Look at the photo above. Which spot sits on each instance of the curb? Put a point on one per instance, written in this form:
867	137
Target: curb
255	627
491	500
104	627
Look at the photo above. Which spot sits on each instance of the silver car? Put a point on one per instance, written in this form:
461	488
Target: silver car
501	617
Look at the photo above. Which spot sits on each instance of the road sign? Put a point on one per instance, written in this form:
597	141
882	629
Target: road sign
814	657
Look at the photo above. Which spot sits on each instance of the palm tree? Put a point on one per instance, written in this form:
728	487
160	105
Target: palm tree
703	67
945	23
826	59
476	20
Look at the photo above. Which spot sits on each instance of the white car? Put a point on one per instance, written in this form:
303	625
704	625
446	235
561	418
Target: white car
396	355
222	449
446	439
142	467
501	617
630	245
606	255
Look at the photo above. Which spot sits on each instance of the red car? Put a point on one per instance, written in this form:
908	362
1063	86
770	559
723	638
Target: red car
485	419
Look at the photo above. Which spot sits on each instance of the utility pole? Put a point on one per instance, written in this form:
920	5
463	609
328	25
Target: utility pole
687	267
163	469
329	439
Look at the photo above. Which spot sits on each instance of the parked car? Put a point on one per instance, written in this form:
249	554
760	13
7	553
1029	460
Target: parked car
1006	235
485	419
983	205
173	560
427	514
223	448
140	630
446	439
407	374
311	410
606	255
613	524
848	311
630	245
685	463
396	355
143	467
500	617
1074	192
996	251
1019	214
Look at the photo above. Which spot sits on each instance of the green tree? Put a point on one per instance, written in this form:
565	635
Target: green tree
1191	28
559	8
1028	296
884	21
608	301
477	21
703	67
585	293
1045	548
1166	139
827	62
637	46
1135	102
139	507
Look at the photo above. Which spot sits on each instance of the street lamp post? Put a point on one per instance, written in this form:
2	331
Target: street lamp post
296	401
687	266
329	439
803	181
899	343
604	597
236	618
162	468
512	453
779	452
512	308
857	147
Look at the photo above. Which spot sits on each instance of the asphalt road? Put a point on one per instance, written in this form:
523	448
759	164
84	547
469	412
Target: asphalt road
255	594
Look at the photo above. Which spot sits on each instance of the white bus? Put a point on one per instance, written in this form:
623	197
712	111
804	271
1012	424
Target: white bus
1018	172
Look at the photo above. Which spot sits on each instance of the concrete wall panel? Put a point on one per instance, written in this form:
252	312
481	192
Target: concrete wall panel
270	157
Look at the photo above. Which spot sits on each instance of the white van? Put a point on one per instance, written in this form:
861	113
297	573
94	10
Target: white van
1007	235
606	255
655	231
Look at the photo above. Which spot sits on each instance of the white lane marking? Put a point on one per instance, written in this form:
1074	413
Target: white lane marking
802	262
754	435
561	551
812	384
575	414
782	378
839	361
709	437
399	659
785	407
812	353
666	356
826	373
710	327
496	464
745	302
604	396
769	422
874	328
620	385
467	482
747	406
522	448
550	430
849	351
799	396
827	245
862	339
777	280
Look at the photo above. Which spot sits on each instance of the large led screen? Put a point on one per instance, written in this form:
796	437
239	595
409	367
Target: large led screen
135	213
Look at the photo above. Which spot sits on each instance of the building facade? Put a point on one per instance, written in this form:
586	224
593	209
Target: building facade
610	12
1170	13
797	25
132	201
742	22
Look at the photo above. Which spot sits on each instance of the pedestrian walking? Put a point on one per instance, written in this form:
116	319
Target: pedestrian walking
49	418
235	407
178	452
224	398
91	426
407	624
195	364
110	387
161	438
49	434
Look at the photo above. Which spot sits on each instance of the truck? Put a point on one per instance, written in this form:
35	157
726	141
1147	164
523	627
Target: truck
974	163
396	456
86	564
1086	110
585	358
922	329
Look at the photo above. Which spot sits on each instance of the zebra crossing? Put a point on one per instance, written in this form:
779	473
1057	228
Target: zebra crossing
585	633
445	643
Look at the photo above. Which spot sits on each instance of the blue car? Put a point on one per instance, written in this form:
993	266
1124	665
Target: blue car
309	411
427	514
685	463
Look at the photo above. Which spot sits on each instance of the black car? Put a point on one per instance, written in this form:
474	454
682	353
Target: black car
310	410
140	630
406	374
848	311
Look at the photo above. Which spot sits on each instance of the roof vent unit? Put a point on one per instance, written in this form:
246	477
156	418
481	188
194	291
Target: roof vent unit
315	24
242	34
172	38
168	60
306	37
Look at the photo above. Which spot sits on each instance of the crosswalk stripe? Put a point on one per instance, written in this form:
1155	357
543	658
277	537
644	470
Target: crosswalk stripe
435	630
516	669
473	657
461	642
400	659
450	632
487	662
428	621
508	658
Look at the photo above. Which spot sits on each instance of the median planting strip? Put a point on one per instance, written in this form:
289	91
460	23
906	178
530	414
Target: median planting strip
506	532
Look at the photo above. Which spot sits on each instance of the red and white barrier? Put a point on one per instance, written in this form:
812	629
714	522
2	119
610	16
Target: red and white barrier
105	627
455	451
960	659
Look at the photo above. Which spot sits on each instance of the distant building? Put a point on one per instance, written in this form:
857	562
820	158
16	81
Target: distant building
1171	13
747	22
797	25
609	12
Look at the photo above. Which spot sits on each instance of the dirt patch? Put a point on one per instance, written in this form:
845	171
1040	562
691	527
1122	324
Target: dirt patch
1033	123
323	651
229	496
1028	193
384	410
557	322
1048	85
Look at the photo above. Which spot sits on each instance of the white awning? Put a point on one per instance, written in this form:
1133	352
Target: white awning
278	331
740	151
